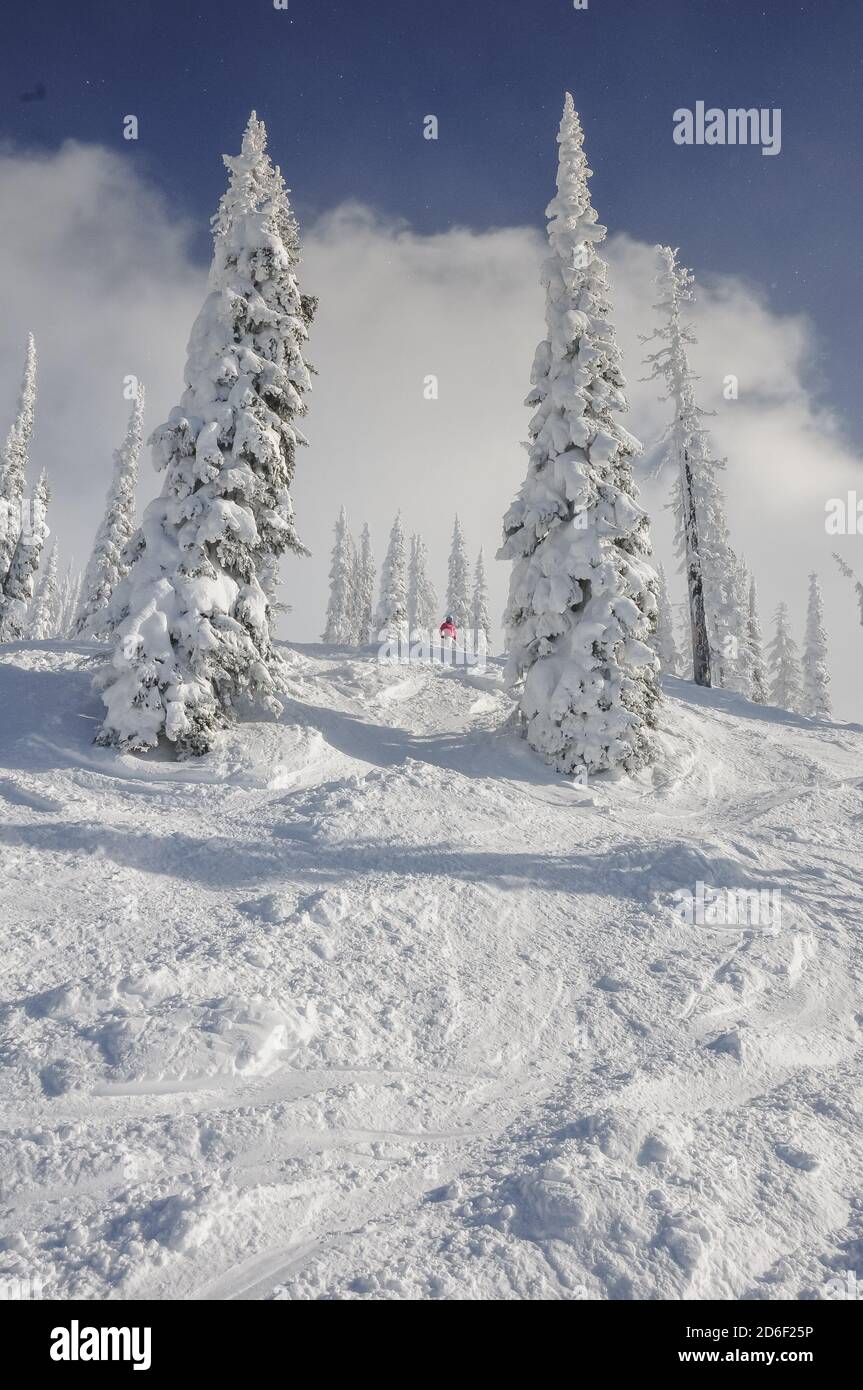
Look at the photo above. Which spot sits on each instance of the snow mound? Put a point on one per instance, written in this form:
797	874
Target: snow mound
369	1004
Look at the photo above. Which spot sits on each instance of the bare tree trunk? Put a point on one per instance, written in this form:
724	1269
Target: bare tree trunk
695	582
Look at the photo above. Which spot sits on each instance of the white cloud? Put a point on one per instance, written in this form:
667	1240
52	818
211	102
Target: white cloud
93	260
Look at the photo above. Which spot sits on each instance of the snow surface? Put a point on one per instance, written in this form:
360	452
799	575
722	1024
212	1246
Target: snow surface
369	1004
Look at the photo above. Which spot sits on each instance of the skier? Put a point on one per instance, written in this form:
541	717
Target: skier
448	628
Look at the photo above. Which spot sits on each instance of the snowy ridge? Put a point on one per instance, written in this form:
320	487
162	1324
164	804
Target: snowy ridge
370	1004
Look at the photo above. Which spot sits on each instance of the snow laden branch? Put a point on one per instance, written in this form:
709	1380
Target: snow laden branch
582	603
847	571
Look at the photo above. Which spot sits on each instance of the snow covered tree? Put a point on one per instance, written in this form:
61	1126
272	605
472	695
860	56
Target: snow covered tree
663	638
18	588
458	586
683	624
582	599
391	619
70	595
480	620
760	694
411	591
422	599
816	677
192	616
13	463
717	598
108	561
364	589
785	681
341	623
847	571
43	619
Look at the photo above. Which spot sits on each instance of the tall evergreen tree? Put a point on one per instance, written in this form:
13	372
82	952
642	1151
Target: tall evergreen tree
108	560
717	598
391	619
458	585
20	581
582	600
13	463
43	619
760	693
480	620
364	589
70	595
422	599
412	591
816	676
683	625
785	684
341	622
663	638
193	616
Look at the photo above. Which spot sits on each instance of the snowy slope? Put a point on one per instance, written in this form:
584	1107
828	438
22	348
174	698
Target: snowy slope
370	1005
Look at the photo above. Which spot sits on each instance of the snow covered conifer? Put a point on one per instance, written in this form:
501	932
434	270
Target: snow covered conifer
457	594
391	619
109	558
663	638
412	593
760	694
364	588
43	619
342	608
717	598
582	599
422	599
18	589
70	594
816	676
480	620
785	684
13	463
683	625
192	617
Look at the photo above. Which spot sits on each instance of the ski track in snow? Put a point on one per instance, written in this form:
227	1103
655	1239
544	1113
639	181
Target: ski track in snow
371	1005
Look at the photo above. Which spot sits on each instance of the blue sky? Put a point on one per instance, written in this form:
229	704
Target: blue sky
343	86
104	245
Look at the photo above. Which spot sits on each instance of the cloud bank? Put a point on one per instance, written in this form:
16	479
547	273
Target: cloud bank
95	262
